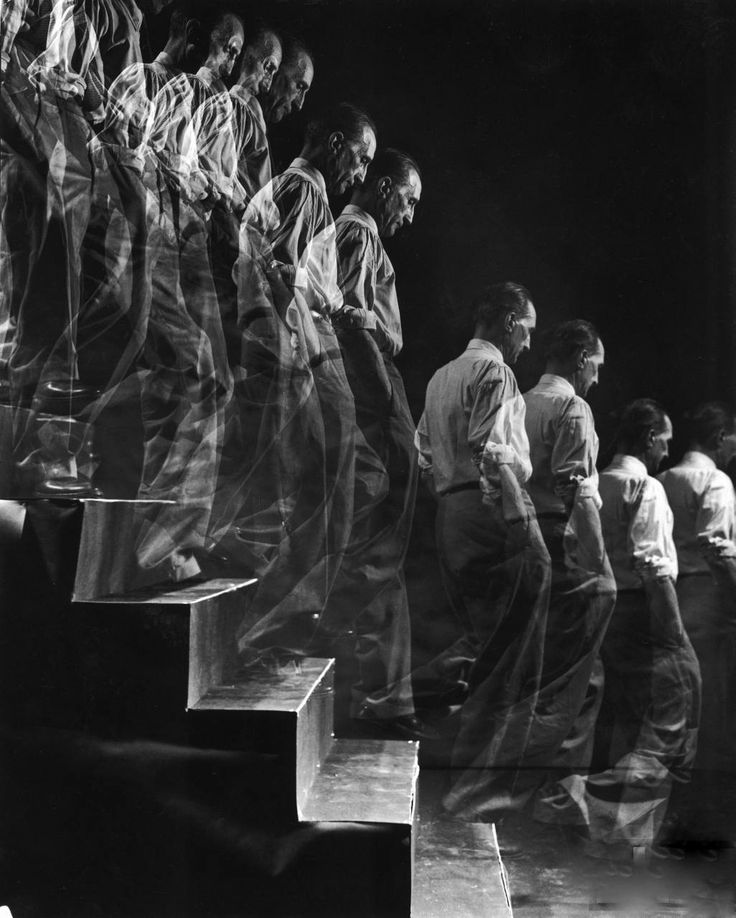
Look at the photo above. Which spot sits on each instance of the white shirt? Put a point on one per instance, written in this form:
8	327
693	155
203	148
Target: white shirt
704	506
473	405
562	441
367	278
637	524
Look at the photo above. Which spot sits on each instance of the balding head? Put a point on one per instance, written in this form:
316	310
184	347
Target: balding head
225	44
262	57
290	84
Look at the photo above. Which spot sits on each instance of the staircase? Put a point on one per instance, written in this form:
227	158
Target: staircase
159	663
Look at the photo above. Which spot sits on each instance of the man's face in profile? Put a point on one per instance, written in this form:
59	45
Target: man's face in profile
288	89
396	208
227	53
347	165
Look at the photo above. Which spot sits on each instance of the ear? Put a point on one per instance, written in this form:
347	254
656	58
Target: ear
582	359
336	141
650	438
191	30
510	322
385	186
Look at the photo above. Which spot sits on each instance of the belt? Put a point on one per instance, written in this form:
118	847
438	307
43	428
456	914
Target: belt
455	489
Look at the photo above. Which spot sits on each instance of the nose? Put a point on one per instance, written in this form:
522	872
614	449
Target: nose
360	175
409	218
266	82
296	105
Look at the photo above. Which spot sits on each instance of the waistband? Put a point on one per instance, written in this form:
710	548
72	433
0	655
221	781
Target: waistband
458	488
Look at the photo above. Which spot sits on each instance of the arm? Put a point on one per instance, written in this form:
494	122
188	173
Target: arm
363	361
652	553
584	544
356	261
424	451
573	454
496	428
715	528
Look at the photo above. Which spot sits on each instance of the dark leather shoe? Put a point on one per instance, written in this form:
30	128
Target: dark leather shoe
407	726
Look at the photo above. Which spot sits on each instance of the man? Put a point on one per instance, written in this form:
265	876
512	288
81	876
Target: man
296	406
652	674
183	36
564	490
60	61
290	85
370	593
474	451
703	504
226	39
170	304
261	60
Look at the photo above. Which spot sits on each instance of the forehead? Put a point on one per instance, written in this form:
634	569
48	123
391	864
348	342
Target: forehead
530	319
365	144
412	187
666	432
599	353
301	69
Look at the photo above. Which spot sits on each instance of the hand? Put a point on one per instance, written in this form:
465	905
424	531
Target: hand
348	317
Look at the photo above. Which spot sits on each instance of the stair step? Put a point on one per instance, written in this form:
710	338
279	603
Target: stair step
287	691
458	870
184	594
290	713
145	657
370	781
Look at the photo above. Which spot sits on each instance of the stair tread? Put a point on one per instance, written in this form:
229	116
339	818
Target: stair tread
365	781
264	691
186	593
458	871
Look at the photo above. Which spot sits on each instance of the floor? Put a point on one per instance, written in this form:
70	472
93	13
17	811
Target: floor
550	876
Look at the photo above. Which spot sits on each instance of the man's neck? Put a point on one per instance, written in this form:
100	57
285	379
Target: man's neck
315	158
554	369
495	340
697	448
245	83
175	50
364	201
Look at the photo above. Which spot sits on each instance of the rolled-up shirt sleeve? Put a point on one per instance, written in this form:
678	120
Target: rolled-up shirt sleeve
715	517
497	420
424	450
650	543
573	451
357	276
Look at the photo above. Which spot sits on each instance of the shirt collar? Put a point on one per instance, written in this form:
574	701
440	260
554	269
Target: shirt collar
629	464
693	458
240	92
314	174
480	344
166	60
210	78
355	211
551	382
